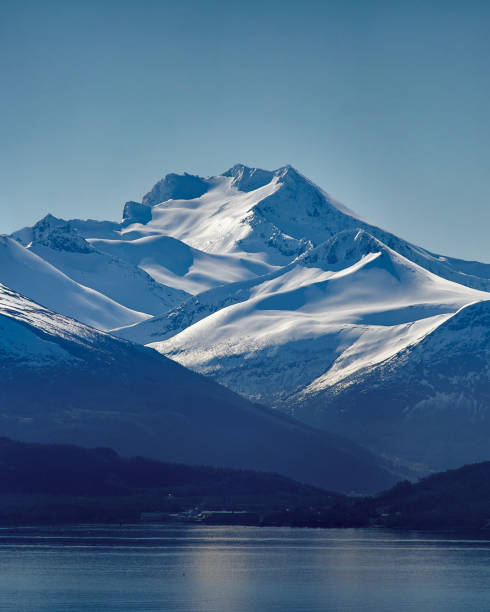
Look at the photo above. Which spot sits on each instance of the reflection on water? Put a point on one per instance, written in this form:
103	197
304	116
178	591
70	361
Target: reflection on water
241	569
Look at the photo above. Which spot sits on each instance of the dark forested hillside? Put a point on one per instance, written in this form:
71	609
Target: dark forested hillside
59	483
453	499
65	483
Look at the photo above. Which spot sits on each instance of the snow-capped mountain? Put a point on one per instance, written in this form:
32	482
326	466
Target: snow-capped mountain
65	382
192	233
316	323
264	282
269	218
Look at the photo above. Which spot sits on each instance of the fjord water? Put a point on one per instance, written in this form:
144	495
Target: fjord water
241	569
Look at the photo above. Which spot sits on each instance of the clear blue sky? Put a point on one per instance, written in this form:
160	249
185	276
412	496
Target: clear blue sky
384	104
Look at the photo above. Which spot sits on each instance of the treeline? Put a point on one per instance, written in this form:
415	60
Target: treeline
64	483
54	483
454	499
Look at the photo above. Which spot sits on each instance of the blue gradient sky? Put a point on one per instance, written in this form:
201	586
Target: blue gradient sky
384	104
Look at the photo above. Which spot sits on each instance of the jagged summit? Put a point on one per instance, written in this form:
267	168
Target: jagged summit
43	227
176	187
248	179
184	186
54	233
342	250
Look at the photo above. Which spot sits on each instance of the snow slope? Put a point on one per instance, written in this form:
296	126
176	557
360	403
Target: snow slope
428	403
55	241
315	323
179	266
25	272
65	382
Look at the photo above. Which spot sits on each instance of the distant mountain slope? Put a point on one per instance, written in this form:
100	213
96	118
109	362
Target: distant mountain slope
65	382
430	402
32	275
315	323
55	241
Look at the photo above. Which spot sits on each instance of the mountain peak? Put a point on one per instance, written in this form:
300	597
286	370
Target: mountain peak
136	212
176	187
248	179
59	235
289	171
343	249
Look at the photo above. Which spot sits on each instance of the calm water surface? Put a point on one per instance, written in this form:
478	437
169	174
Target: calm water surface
241	569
